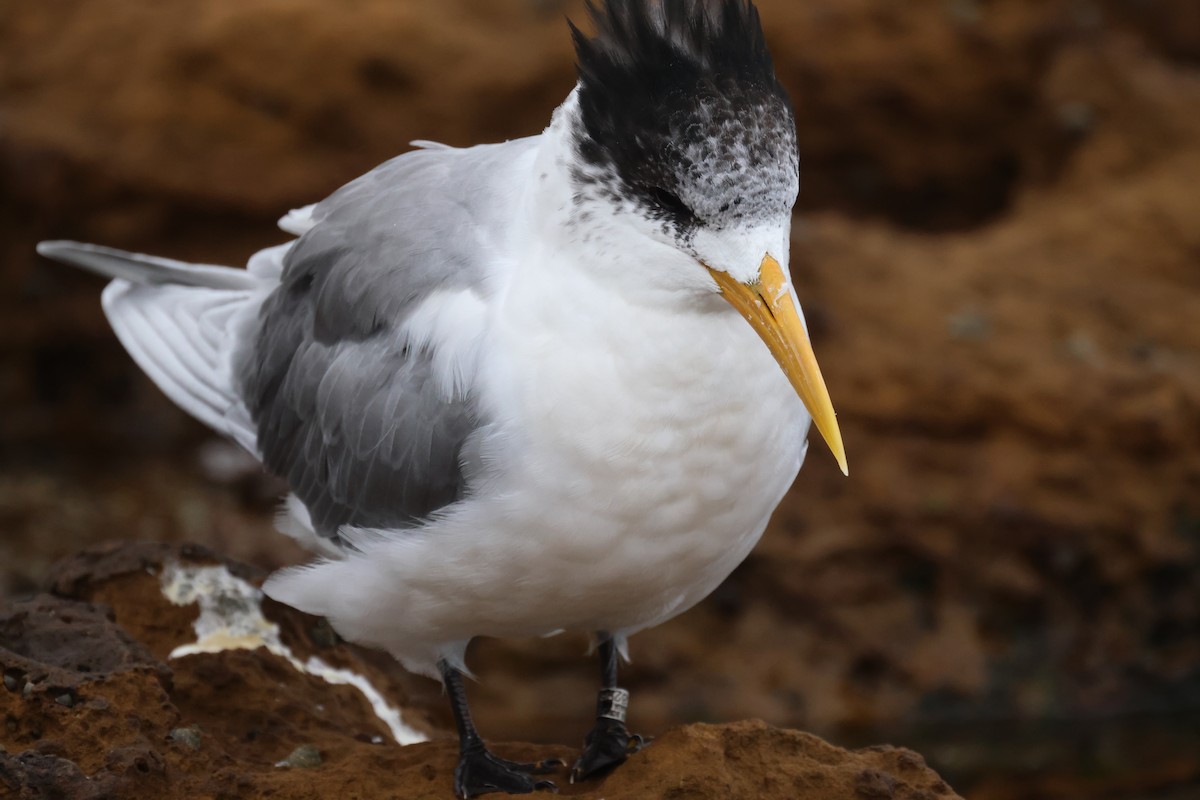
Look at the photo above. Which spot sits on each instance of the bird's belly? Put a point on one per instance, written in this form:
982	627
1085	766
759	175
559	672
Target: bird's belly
640	468
623	476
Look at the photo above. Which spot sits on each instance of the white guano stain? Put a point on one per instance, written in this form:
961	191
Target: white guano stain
231	618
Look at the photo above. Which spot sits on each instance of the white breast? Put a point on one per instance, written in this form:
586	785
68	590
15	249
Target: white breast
643	451
635	459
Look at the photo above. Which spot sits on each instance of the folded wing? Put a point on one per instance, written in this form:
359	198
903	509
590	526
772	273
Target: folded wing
359	374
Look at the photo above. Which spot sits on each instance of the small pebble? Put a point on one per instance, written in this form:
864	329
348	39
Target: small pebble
969	325
189	737
323	634
11	682
65	699
1082	347
306	756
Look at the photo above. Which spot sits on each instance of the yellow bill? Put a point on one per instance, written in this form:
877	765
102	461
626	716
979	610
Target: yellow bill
768	306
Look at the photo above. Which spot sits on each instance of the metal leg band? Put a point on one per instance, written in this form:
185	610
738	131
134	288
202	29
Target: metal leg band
612	704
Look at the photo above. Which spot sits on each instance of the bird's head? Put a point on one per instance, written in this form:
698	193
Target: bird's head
684	131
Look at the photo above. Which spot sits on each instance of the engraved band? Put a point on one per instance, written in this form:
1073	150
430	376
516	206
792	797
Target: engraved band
612	704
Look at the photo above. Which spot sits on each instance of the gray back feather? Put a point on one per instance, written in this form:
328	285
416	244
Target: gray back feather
345	411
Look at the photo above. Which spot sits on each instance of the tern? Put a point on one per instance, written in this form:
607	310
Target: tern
554	384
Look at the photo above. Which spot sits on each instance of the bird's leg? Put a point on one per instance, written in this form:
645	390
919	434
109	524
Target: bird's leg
609	742
479	771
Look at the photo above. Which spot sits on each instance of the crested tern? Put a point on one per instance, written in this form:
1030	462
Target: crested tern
558	383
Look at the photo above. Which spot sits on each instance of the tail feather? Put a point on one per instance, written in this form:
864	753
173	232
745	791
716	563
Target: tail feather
181	323
184	324
143	269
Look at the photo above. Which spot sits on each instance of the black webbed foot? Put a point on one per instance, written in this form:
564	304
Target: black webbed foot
609	743
480	772
607	746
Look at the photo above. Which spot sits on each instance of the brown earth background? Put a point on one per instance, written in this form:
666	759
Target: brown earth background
998	246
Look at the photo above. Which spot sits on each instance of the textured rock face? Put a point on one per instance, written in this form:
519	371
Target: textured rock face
104	698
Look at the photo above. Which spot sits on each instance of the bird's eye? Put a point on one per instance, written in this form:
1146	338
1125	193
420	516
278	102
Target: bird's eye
669	201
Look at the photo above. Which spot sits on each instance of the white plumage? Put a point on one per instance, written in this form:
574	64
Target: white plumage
513	387
639	438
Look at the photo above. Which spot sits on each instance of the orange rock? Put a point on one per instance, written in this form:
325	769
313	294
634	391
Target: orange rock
91	712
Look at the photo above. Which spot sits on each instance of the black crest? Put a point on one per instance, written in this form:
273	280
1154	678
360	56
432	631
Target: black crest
640	39
671	90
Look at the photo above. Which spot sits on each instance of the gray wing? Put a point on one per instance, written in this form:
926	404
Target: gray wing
346	412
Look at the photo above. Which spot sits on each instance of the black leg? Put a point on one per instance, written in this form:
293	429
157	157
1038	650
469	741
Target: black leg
609	742
479	771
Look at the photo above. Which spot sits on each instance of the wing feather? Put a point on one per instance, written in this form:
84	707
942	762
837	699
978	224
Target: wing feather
344	376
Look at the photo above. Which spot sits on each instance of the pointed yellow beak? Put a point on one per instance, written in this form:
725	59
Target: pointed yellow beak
768	305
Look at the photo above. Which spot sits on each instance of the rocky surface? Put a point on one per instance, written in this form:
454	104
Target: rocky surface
999	255
102	699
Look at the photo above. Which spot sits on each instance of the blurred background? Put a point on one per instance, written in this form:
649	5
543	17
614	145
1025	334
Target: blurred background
998	245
